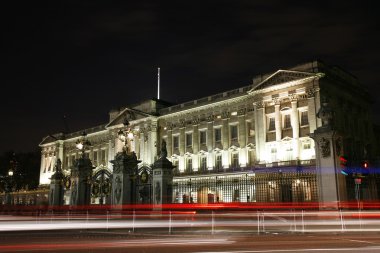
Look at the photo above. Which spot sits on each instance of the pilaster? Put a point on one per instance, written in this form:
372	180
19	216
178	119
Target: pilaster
277	120
225	130
295	128
311	111
210	136
260	127
169	141
195	137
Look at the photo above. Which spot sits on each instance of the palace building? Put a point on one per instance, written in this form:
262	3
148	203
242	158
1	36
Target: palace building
257	143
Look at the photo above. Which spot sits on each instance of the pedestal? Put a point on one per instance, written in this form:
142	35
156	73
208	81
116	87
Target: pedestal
162	183
81	174
124	179
331	183
56	186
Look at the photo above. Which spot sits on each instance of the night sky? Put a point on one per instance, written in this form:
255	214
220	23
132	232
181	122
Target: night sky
80	60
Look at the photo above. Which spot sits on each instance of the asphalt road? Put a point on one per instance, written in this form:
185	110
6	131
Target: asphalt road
126	241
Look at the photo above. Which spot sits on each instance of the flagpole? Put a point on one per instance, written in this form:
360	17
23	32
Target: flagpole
158	84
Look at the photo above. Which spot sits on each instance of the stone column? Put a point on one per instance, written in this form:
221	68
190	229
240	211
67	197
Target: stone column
124	179
243	159
81	174
111	151
210	135
162	180
311	112
153	141
60	150
295	128
42	168
225	130
142	146
56	186
195	137
317	100
260	128
169	141
277	120
182	137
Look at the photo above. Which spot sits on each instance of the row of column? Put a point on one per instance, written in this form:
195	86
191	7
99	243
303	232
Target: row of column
261	123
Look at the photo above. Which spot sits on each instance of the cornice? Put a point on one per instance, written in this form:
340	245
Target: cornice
223	103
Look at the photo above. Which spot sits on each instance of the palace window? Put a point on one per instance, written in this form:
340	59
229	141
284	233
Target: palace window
95	158
202	137
235	160
272	125
218	134
175	164
234	132
304	118
175	141
250	130
189	164
203	163
251	157
189	139
103	157
218	161
287	122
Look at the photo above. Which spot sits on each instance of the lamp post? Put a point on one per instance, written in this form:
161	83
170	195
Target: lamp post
127	135
82	144
81	174
9	187
125	170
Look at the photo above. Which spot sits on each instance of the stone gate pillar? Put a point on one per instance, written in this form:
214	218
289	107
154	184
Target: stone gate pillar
81	175
56	186
331	183
162	180
124	179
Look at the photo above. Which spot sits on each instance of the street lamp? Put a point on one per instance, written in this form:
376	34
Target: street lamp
10	172
82	143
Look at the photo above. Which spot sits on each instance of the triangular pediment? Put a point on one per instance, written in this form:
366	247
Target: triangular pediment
130	114
283	77
51	138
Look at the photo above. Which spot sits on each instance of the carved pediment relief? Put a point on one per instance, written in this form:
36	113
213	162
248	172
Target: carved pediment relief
128	114
284	76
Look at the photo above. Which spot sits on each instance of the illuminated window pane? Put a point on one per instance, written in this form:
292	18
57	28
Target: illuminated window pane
202	137
234	132
304	119
189	140
203	163
175	141
287	123
218	134
218	161
235	160
272	125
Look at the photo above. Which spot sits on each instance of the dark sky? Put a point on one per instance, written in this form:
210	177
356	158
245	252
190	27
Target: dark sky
81	59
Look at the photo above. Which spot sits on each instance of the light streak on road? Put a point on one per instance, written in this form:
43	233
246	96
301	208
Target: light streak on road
260	221
370	249
116	244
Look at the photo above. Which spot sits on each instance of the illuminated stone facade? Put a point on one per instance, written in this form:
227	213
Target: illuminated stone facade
251	144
